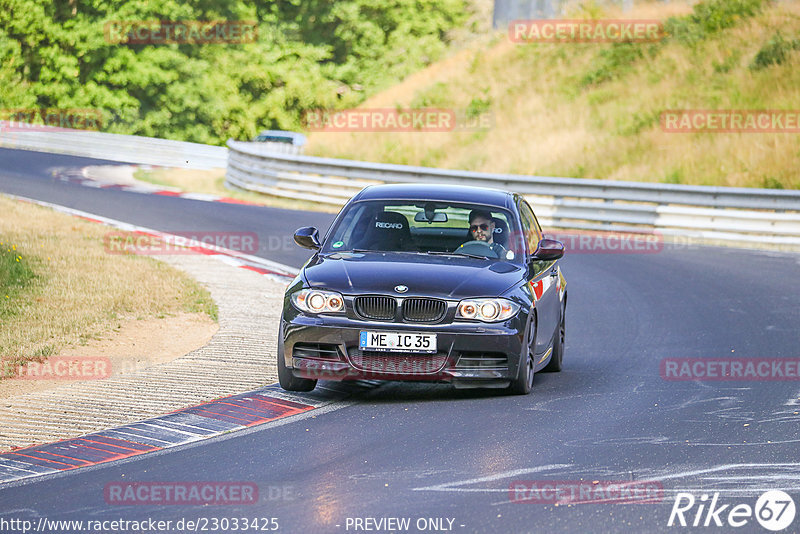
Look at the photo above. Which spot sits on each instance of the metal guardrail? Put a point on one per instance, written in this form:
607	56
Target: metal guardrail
744	215
281	148
720	213
114	147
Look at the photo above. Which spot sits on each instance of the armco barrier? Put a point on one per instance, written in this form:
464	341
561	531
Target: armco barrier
718	213
115	147
124	148
729	214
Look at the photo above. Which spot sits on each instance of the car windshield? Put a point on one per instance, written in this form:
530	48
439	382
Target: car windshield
426	227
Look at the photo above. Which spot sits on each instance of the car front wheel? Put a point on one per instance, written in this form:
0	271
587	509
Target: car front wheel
286	379
554	365
523	383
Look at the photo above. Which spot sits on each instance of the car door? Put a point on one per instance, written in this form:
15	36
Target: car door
542	280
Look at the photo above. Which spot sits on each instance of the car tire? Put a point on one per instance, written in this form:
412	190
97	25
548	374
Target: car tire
556	359
286	379
523	383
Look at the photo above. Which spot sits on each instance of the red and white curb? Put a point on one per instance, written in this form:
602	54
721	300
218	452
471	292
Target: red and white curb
201	422
78	176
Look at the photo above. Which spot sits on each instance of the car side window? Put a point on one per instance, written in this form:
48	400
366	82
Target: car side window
529	226
533	234
537	228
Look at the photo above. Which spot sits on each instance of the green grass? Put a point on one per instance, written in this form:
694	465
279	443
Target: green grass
197	299
593	110
16	276
59	286
710	17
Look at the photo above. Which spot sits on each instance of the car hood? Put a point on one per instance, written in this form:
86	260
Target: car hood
442	276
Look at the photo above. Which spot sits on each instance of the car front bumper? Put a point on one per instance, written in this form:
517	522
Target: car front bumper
469	354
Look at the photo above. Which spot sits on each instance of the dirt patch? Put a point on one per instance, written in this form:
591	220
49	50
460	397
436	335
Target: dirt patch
132	346
77	289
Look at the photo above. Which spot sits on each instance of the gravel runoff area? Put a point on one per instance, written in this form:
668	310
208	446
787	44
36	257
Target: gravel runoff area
239	357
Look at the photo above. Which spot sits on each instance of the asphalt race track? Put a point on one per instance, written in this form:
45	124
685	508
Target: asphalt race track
445	459
29	174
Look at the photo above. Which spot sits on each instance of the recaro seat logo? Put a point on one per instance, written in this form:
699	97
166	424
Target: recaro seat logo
396	226
774	510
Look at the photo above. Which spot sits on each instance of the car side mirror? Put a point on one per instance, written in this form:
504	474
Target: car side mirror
307	237
548	250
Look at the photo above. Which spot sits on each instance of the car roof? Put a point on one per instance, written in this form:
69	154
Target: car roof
437	192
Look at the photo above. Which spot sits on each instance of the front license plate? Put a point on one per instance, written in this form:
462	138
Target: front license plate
397	341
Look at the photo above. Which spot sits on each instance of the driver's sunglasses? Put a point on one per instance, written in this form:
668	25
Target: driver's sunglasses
474	227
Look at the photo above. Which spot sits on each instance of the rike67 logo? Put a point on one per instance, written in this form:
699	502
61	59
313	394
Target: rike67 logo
774	510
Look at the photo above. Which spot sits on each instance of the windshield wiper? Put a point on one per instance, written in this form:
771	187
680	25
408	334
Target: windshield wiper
382	251
334	252
437	253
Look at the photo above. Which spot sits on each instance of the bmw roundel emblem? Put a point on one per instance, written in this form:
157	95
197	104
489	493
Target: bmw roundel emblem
401	288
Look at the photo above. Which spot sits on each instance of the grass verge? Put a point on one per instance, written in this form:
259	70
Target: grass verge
592	110
59	287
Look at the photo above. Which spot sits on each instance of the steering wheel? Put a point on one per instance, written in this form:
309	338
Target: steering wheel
479	248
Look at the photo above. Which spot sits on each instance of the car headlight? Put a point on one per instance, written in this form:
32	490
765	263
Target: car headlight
487	310
318	301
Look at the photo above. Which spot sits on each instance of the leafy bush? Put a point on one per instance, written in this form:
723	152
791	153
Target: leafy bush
637	122
770	182
673	177
612	62
774	52
478	106
309	54
709	17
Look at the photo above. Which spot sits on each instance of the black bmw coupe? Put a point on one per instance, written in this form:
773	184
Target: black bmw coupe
426	282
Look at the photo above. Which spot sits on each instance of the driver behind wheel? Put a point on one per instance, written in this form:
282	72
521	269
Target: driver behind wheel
481	228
